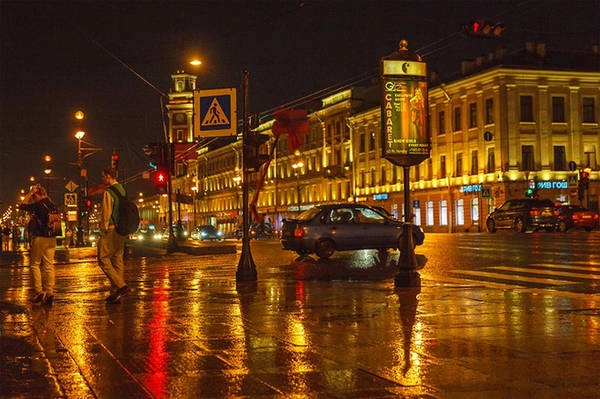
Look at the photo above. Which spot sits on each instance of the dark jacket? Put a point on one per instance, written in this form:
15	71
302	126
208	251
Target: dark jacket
40	210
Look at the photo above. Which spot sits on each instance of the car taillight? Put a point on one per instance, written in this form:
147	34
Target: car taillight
596	216
555	212
298	231
575	216
534	212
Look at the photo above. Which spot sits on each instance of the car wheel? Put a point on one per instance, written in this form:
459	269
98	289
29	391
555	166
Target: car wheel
561	226
491	225
588	229
519	226
325	248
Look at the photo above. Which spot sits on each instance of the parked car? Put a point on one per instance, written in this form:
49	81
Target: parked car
524	214
574	216
324	229
258	231
207	232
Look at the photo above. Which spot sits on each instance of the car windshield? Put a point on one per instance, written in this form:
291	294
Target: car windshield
309	214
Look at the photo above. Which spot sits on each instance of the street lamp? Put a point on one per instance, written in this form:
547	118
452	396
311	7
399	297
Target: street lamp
82	153
297	167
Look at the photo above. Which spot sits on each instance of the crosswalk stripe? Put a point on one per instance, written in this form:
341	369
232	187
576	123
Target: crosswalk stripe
571	266
520	279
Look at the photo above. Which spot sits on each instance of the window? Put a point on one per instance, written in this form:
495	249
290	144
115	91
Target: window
362	144
527	157
417	216
457	119
362	178
373	178
473	115
429	213
475	210
371	141
459	165
179	135
491	160
558	109
589	156
442	166
460	212
489	111
526	105
560	158
474	163
589	110
443	213
383	176
442	122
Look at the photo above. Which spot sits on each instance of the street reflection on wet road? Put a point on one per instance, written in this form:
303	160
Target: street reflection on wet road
321	328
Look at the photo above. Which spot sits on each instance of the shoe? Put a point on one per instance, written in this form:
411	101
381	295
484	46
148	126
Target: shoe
48	300
39	297
123	290
113	298
116	296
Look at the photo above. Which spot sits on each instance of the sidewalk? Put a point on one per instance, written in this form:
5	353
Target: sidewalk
188	330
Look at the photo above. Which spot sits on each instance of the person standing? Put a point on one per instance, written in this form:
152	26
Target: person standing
43	245
111	244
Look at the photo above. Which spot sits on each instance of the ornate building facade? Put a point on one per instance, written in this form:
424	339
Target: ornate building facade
503	124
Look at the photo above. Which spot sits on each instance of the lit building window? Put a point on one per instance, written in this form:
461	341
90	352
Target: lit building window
460	212
443	213
429	219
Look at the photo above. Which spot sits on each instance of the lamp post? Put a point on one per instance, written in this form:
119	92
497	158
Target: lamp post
82	153
297	167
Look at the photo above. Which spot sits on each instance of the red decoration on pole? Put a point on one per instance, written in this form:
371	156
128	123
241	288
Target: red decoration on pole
294	122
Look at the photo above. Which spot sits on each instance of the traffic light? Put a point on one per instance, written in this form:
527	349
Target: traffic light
254	159
114	161
157	154
483	29
584	178
530	192
160	178
87	204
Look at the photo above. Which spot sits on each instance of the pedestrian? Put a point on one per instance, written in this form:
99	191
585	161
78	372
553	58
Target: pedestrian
111	244
43	245
6	238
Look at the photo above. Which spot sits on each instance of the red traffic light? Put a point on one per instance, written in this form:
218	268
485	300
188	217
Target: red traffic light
159	178
483	29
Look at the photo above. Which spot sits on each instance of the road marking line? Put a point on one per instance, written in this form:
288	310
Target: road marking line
567	267
522	279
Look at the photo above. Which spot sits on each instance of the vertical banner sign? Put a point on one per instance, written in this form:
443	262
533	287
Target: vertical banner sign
404	108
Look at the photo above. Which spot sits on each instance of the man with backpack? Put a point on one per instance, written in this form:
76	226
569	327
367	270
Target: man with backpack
43	243
112	244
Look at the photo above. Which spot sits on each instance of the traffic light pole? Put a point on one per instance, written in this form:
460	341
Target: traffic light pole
246	270
172	242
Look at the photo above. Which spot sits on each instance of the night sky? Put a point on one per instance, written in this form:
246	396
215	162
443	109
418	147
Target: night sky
57	57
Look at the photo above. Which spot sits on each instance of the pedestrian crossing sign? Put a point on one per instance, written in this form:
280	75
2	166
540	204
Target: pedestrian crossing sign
215	112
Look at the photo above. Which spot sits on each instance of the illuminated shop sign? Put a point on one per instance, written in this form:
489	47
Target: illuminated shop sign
379	197
470	188
552	184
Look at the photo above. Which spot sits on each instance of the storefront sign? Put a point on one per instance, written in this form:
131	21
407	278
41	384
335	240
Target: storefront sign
380	197
552	184
471	188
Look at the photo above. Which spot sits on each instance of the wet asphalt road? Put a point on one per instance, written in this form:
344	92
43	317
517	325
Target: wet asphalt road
492	318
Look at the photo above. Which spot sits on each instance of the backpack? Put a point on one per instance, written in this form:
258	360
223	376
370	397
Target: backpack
129	216
53	222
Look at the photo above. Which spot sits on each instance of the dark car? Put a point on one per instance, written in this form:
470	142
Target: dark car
574	216
207	232
324	229
524	214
